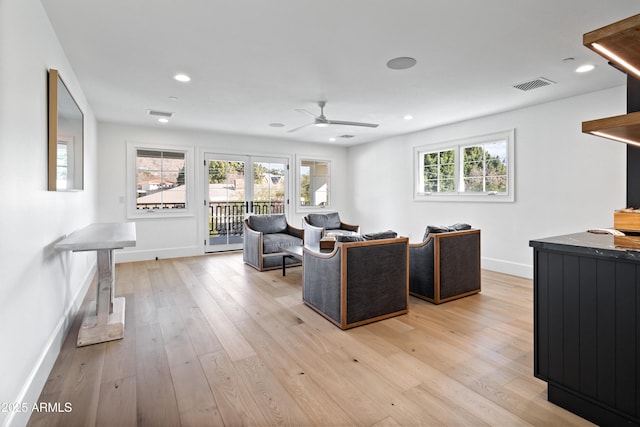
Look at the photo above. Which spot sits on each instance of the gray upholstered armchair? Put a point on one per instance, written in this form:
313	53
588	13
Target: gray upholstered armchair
264	236
358	282
446	264
316	226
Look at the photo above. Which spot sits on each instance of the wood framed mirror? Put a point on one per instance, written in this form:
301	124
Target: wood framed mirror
66	138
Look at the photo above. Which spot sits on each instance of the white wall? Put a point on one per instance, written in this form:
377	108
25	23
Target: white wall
40	289
566	181
175	237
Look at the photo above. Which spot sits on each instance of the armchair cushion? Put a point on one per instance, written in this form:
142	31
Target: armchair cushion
268	224
349	238
445	229
328	221
272	243
389	234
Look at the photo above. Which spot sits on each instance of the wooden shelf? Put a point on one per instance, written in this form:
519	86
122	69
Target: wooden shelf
625	128
619	43
622	38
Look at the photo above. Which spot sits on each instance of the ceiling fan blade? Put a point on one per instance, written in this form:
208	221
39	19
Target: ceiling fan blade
305	112
340	122
299	127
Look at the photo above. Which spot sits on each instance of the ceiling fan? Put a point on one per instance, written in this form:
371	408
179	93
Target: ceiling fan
322	121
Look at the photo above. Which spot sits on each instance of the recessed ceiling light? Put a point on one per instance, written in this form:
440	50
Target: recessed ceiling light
408	117
332	139
585	68
401	63
163	120
276	125
182	77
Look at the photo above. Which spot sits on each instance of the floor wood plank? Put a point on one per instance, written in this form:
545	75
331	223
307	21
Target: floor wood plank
210	341
155	394
237	405
117	405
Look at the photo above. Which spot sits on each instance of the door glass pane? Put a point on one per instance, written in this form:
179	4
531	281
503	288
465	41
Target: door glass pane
269	187
226	201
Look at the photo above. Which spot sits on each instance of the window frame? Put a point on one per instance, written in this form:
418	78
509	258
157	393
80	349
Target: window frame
131	189
458	145
298	192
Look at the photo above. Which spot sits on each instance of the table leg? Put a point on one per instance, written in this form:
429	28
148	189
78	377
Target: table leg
105	288
284	265
104	320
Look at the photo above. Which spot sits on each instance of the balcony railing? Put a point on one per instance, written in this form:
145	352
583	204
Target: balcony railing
154	206
225	218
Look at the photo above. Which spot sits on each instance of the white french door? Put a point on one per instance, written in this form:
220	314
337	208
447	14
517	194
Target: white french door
238	186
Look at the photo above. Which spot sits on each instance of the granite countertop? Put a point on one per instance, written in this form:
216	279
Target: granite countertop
607	245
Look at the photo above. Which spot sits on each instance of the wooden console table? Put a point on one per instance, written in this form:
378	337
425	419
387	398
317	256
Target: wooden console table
104	319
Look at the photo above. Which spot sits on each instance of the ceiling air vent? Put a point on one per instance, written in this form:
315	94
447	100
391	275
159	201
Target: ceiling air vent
534	84
347	136
155	113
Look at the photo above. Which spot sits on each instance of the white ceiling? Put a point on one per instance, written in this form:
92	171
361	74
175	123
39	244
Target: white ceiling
254	62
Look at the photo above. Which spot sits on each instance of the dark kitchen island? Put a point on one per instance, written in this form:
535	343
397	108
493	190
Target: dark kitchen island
587	324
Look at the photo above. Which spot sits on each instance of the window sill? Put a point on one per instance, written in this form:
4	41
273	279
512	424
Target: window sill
303	209
457	197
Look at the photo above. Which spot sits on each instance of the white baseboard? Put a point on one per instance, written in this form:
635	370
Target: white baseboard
127	255
507	267
133	255
37	378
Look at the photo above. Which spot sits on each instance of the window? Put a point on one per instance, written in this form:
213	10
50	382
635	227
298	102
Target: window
160	181
467	169
313	180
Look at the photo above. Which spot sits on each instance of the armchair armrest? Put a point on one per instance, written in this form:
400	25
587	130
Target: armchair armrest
294	231
252	247
321	284
312	234
350	227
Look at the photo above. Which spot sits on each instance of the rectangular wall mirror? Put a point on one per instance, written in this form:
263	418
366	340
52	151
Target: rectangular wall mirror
66	138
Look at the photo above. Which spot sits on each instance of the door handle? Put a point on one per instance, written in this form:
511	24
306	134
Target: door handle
246	207
251	206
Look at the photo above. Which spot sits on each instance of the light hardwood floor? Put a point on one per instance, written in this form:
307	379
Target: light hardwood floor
210	342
